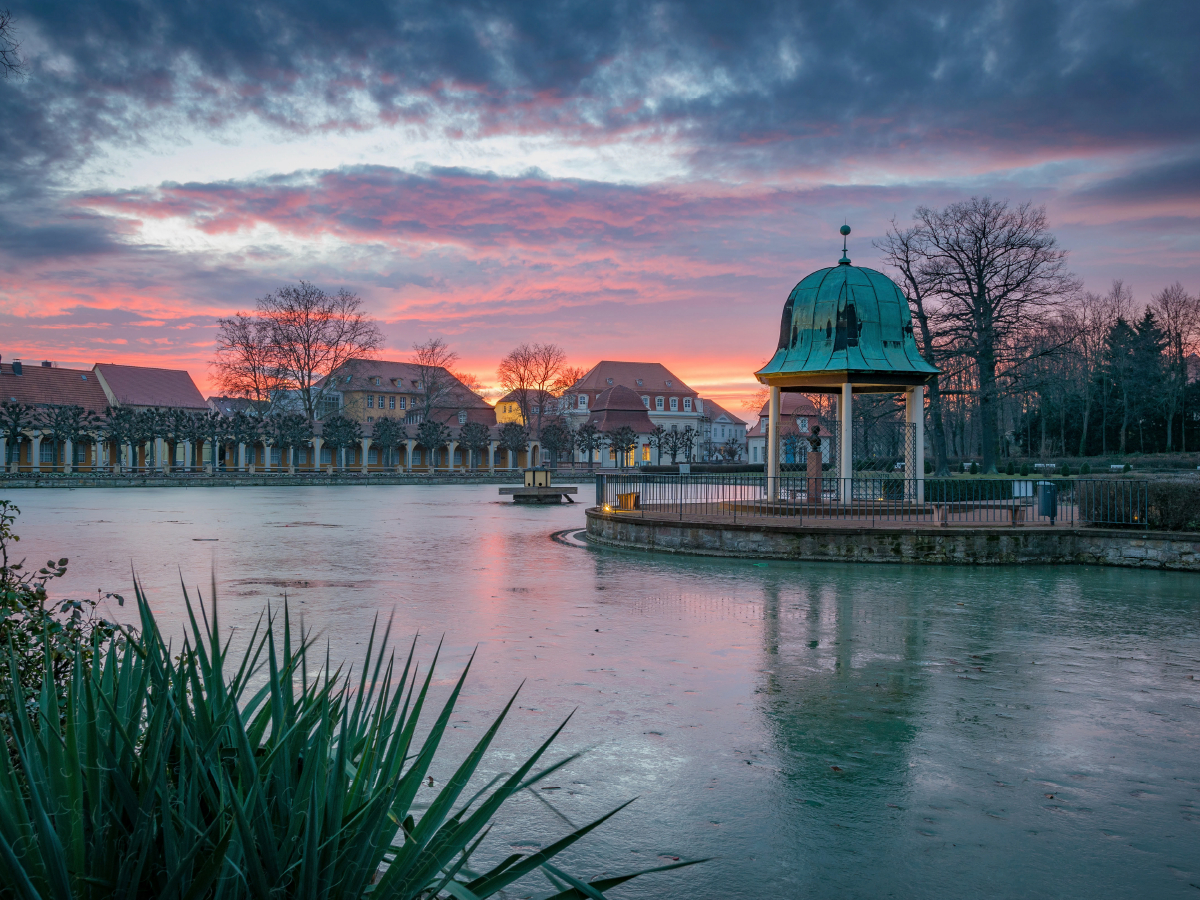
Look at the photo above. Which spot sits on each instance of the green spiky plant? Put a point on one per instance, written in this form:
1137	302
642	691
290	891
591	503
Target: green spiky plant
198	775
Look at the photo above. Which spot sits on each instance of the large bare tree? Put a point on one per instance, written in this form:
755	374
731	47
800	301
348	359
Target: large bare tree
297	337
992	268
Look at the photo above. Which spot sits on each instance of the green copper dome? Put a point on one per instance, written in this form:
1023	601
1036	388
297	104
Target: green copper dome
850	322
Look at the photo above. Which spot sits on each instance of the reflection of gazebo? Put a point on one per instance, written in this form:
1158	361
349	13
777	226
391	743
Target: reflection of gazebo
848	330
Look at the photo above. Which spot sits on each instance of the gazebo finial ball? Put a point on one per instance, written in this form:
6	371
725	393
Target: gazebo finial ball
845	229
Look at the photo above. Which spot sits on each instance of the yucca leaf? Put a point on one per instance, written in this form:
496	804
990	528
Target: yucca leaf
604	884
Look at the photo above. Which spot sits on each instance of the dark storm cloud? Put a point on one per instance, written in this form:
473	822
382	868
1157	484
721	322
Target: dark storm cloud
765	85
1175	180
32	241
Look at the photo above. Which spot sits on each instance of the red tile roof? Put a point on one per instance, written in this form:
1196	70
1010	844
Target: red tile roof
715	410
790	406
619	406
399	377
144	386
46	386
655	379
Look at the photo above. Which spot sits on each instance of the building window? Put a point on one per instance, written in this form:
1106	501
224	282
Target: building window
639	382
302	453
370	419
687	404
646	402
674	404
326	456
534	410
756	454
658	403
609	380
583	401
372	456
645	453
377	382
402	399
458	457
371	401
462	418
392	402
802	424
46	454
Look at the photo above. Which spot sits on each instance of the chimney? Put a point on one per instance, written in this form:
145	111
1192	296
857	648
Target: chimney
46	364
17	367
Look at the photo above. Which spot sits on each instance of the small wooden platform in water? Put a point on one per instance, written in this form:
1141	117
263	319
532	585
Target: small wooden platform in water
540	494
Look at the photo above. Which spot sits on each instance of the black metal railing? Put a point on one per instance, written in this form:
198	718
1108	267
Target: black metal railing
934	501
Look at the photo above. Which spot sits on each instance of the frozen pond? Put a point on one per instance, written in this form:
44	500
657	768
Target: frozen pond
822	730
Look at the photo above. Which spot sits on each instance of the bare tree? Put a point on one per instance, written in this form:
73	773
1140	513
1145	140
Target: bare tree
11	62
245	364
992	268
299	335
534	373
1178	316
433	360
568	378
904	250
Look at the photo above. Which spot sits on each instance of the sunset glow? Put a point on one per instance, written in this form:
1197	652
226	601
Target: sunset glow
643	183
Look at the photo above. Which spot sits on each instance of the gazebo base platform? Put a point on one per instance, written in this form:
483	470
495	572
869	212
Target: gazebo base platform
861	540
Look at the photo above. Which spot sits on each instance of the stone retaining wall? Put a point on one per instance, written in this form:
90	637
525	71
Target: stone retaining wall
85	480
915	544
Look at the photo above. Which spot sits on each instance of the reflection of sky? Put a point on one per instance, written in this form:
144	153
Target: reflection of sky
628	170
723	694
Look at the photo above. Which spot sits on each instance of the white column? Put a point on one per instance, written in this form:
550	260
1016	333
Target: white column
453	445
846	438
187	456
241	457
68	456
772	448
918	418
492	457
366	445
36	455
408	452
3	454
316	463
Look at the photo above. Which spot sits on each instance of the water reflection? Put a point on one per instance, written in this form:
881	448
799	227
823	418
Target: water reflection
825	730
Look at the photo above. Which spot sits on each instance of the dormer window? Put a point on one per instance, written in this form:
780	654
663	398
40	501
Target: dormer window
347	379
687	404
377	382
583	401
610	381
802	424
668	384
674	404
462	418
639	382
646	402
658	403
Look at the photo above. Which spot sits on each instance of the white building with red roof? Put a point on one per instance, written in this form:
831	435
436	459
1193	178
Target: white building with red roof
666	398
797	415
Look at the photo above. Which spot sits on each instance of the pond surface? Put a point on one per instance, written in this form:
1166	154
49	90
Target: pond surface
822	730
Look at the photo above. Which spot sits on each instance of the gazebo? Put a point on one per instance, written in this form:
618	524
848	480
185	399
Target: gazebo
847	330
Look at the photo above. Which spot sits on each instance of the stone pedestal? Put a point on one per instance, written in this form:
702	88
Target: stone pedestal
814	476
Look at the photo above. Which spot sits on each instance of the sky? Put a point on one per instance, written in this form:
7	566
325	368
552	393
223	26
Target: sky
636	181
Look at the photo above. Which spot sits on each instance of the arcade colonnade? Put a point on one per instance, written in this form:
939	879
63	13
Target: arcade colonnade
164	456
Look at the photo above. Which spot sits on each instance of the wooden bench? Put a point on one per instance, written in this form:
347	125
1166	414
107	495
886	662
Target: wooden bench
631	500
